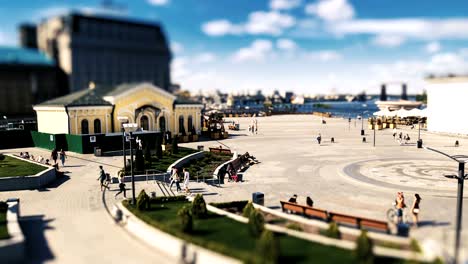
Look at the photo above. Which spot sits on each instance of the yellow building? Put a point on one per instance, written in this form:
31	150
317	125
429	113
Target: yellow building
99	110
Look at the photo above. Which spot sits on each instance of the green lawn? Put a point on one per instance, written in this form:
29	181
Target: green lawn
15	167
232	238
166	160
3	226
206	165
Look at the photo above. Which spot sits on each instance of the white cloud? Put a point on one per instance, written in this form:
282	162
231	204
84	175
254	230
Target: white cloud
7	39
447	63
177	47
272	23
284	4
324	55
286	44
179	67
411	28
331	10
257	51
221	27
158	2
389	41
259	22
433	47
205	57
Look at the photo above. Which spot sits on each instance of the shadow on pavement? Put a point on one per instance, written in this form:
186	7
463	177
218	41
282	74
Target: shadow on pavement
432	223
37	248
55	184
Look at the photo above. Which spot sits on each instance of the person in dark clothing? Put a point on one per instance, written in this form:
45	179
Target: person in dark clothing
309	202
121	186
102	178
293	199
54	155
319	138
415	209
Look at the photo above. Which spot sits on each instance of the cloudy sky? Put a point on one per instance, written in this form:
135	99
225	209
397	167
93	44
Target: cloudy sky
307	46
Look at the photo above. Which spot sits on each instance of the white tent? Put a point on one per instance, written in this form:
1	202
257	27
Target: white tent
402	112
384	112
414	112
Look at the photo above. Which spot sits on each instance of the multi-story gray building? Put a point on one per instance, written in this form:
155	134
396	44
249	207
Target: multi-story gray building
105	50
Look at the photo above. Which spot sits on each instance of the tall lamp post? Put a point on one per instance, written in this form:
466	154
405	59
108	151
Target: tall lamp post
461	159
122	120
130	127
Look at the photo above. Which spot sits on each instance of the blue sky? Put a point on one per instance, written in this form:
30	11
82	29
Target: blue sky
307	46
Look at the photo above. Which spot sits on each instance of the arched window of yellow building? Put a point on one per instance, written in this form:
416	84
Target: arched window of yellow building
190	123
181	125
84	126
97	126
162	124
144	123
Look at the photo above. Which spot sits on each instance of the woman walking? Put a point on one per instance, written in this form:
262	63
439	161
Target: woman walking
121	186
415	209
62	156
186	180
54	155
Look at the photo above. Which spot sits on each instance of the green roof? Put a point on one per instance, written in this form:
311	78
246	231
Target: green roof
180	100
22	56
86	97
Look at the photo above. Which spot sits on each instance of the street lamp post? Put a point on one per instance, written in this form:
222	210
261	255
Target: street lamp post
461	159
131	127
123	119
420	142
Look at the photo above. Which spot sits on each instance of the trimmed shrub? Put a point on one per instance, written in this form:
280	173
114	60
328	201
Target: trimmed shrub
3	206
143	201
363	252
248	209
159	151
175	147
185	219
139	161
268	249
2	157
294	226
414	245
332	231
199	207
256	223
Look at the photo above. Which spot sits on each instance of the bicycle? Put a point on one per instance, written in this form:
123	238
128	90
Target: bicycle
392	214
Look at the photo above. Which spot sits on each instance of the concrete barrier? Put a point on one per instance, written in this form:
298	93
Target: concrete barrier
39	180
12	250
164	242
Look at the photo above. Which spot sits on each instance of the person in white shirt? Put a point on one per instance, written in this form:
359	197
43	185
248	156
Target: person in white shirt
186	180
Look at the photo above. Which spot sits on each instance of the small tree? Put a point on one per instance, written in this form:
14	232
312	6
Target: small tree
256	223
333	231
199	207
268	248
364	253
139	161
248	208
175	147
143	201
159	148
185	219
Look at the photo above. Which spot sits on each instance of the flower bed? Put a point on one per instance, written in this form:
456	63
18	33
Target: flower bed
205	167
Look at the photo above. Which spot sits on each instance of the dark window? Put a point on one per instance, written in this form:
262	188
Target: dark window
162	124
144	123
84	126
97	126
181	125
189	123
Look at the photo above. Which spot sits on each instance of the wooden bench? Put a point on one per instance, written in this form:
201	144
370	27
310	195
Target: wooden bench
316	213
344	219
221	151
374	224
292	207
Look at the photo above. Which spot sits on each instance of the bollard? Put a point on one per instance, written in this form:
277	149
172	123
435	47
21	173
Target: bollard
420	143
363	139
457	143
362	132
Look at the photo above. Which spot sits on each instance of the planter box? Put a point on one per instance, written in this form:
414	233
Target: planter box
225	135
194	138
167	147
393	125
184	139
215	135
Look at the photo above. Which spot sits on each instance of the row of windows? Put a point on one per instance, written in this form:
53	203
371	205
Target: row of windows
85	126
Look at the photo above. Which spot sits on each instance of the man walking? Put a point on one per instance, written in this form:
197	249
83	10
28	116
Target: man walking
102	177
319	138
121	186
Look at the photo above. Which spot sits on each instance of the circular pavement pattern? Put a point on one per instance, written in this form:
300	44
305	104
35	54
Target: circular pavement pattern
413	174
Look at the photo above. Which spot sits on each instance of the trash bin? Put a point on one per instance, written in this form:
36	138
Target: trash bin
362	132
363	139
97	152
258	198
403	230
200	147
420	142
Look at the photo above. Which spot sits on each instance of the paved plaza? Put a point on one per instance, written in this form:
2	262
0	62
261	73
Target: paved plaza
70	224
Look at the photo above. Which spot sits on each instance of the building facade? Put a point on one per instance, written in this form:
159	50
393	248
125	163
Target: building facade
445	100
27	77
102	110
106	51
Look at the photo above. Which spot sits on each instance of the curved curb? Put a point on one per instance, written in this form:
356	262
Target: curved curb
12	250
182	161
164	242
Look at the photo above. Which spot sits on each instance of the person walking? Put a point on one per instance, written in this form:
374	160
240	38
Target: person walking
319	138
186	180
102	177
394	133
415	209
62	156
121	186
54	155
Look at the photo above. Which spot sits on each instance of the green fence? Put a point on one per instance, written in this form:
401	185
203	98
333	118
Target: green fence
15	139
